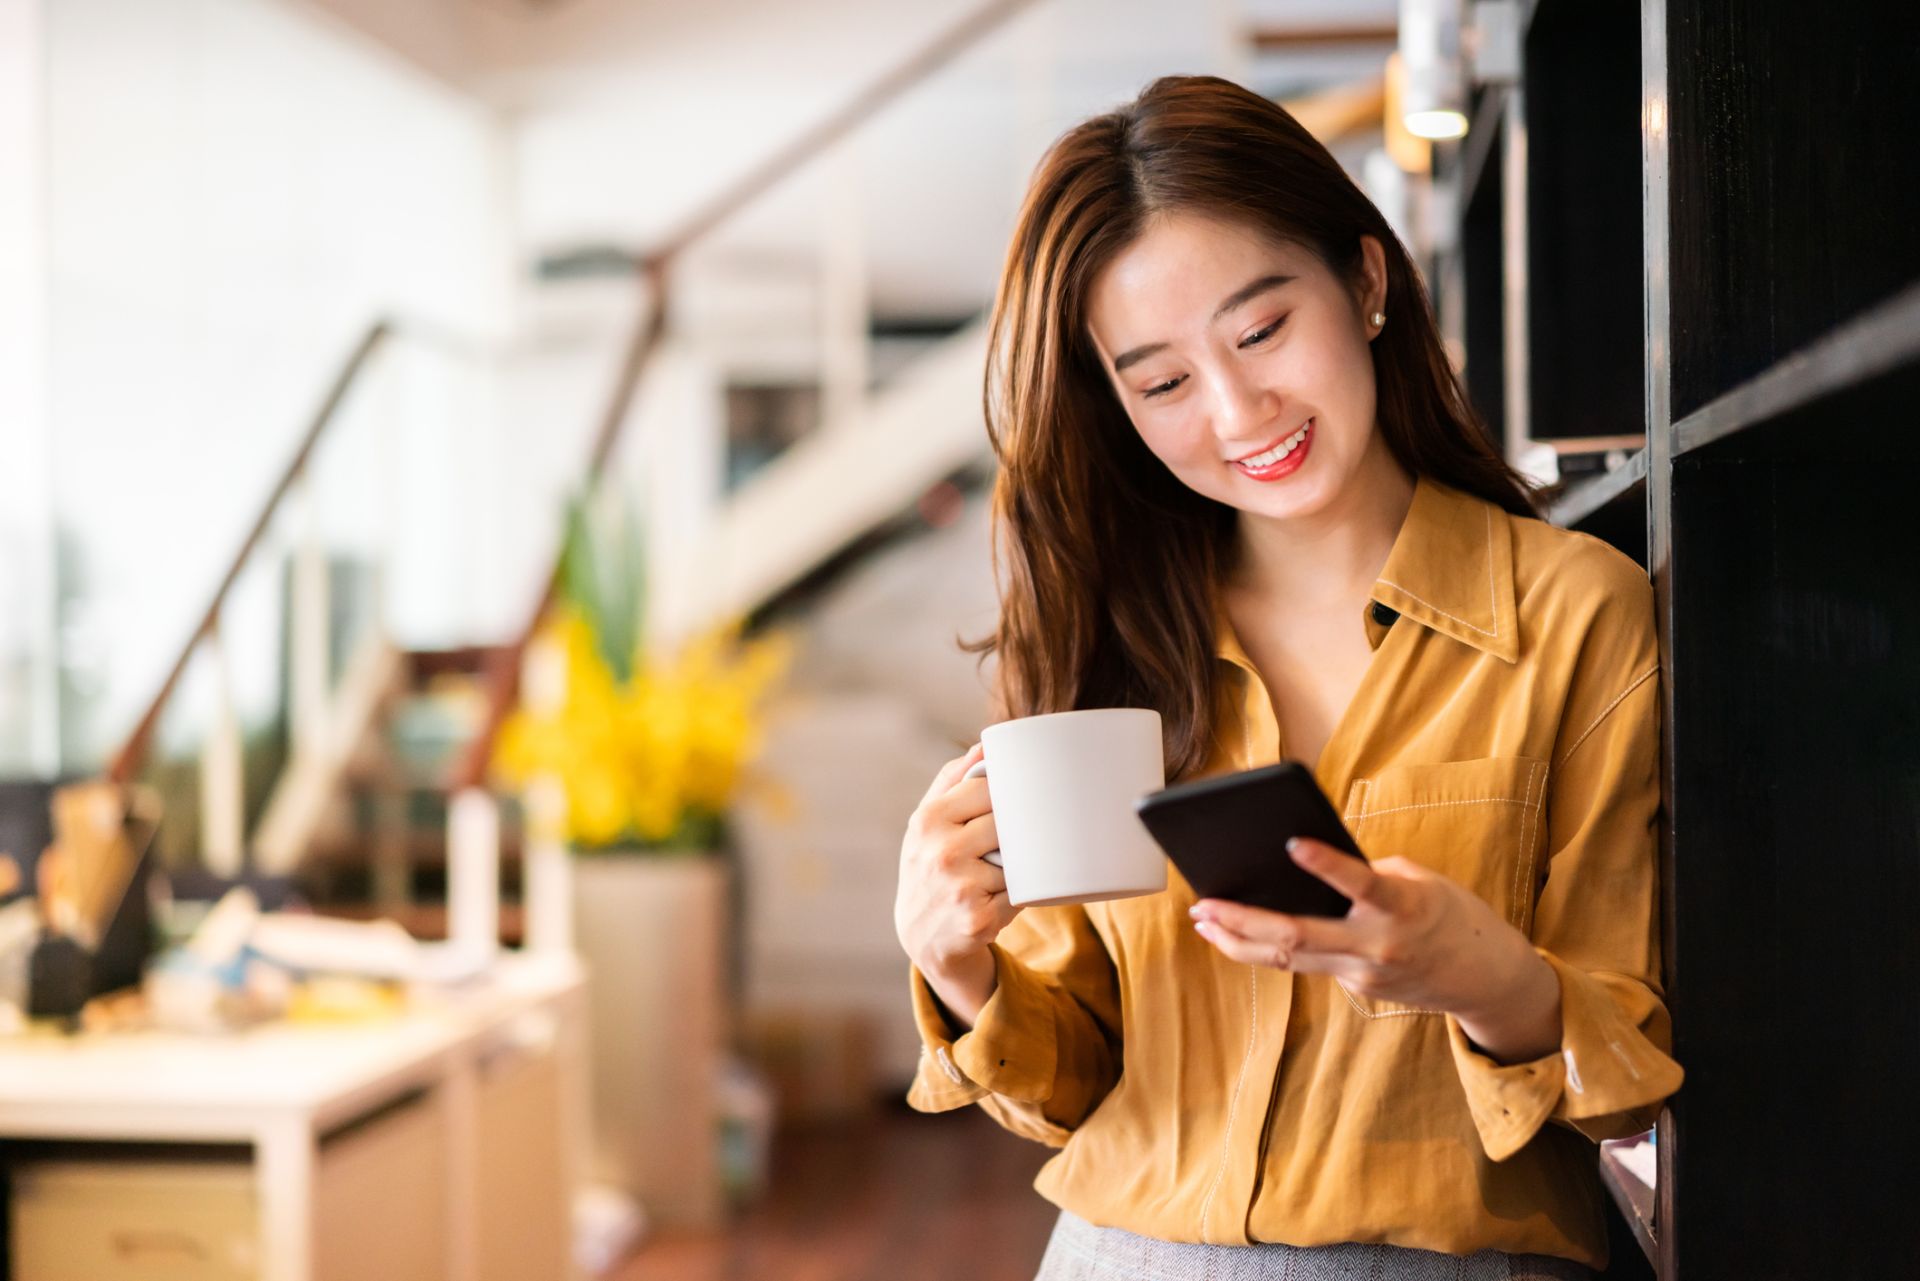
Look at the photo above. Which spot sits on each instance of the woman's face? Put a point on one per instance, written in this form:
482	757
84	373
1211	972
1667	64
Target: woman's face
1244	364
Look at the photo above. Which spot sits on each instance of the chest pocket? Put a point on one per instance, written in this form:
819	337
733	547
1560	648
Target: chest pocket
1480	823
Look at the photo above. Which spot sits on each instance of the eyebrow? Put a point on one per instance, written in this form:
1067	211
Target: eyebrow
1246	293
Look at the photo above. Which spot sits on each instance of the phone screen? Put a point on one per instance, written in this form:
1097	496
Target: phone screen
1228	837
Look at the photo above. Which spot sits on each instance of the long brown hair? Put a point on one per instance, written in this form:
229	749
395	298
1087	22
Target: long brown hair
1107	562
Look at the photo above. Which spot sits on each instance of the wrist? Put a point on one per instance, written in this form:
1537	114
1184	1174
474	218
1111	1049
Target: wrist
962	985
1516	1017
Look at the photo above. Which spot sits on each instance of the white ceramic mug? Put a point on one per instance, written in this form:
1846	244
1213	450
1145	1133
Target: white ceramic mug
1063	787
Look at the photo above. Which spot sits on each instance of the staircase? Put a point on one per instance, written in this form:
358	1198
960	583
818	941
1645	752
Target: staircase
346	788
380	847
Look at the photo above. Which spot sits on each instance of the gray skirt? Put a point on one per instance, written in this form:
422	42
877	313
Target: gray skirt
1079	1251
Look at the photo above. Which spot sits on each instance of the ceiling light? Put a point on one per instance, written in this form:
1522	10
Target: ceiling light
1433	97
1436	124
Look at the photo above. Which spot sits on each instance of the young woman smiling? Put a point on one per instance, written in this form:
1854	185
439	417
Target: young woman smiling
1239	484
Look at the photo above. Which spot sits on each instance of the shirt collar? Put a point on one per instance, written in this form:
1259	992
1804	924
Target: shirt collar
1450	569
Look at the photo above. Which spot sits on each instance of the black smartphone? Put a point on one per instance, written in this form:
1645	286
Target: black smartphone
1228	836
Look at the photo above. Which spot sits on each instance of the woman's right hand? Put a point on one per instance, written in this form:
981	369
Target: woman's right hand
951	902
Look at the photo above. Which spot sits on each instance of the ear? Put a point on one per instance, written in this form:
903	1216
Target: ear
1373	275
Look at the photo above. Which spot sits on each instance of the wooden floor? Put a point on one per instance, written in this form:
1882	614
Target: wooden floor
902	1197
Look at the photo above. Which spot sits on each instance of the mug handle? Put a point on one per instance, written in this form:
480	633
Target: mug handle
979	770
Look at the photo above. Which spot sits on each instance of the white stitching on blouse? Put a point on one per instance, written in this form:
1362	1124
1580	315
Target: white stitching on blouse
1429	805
1382	1014
1493	594
1493	591
1638	681
1358	800
1513	886
1226	1140
1534	779
1246	733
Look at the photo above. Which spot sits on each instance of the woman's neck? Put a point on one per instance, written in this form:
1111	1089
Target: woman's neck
1329	558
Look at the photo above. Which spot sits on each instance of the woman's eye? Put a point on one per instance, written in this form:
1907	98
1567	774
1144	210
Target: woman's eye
1165	387
1263	334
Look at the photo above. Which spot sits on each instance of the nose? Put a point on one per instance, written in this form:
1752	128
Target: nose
1244	408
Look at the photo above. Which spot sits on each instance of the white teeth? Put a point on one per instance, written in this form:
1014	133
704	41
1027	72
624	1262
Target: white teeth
1278	452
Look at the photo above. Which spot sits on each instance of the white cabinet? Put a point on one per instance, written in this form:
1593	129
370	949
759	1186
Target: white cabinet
438	1147
119	1219
522	1205
380	1196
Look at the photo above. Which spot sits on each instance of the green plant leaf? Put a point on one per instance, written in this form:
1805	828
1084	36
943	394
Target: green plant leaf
603	575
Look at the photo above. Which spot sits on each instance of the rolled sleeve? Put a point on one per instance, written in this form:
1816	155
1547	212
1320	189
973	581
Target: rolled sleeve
1010	1050
938	1083
1607	1079
1046	1047
1596	923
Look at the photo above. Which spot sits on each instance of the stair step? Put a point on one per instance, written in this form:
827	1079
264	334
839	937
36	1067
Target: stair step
425	848
424	665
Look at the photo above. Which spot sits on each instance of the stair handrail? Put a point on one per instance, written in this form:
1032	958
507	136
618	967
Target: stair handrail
132	754
502	680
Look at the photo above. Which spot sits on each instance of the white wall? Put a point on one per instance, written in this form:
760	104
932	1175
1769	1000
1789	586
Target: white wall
237	187
28	717
880	698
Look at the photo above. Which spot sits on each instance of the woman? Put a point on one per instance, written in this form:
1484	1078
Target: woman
1240	485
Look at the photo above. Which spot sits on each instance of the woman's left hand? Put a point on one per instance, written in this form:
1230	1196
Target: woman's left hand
1412	936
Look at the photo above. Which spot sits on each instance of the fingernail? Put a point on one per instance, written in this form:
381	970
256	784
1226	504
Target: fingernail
1205	928
1297	848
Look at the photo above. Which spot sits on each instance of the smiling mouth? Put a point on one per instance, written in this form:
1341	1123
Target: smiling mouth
1281	456
1277	450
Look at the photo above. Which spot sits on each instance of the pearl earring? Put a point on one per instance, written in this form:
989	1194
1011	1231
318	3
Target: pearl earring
1379	318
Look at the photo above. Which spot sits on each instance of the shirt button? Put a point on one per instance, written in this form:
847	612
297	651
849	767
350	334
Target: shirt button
1383	615
947	1066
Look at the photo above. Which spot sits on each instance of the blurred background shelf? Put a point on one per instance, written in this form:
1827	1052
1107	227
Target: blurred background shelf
1883	343
1632	1197
1623	487
1694	222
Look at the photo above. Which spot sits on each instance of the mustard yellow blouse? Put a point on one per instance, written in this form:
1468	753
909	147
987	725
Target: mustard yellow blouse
1505	734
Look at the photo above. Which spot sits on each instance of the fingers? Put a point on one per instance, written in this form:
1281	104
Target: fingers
960	853
1004	912
948	840
991	875
1351	876
1281	953
963	804
1274	954
1286	934
965	798
1235	947
950	774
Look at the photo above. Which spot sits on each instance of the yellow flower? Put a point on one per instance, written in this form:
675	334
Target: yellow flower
663	753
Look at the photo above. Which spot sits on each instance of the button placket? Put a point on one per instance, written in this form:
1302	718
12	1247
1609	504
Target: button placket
1246	1140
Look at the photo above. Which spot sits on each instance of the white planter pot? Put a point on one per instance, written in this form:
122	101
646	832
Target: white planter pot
652	931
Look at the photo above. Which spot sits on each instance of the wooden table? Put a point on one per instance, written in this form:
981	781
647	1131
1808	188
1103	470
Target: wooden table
284	1089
